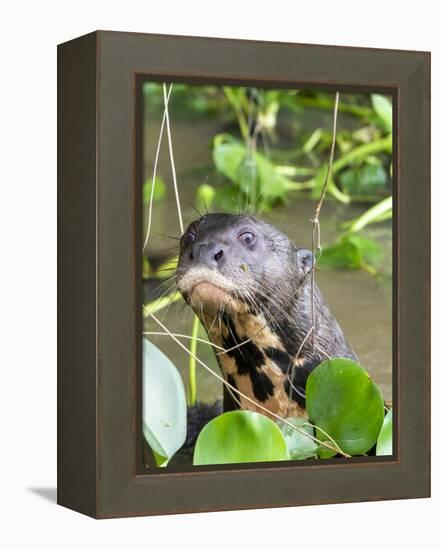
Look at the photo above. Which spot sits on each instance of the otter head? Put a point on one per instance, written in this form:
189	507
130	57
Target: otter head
233	263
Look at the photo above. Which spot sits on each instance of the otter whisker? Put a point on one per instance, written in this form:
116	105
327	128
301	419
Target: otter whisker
168	280
169	236
275	304
201	307
164	269
212	324
166	291
196	210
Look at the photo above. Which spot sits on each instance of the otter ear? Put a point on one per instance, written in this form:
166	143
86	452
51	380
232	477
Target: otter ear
305	259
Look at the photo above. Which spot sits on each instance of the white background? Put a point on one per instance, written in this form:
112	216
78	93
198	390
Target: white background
29	34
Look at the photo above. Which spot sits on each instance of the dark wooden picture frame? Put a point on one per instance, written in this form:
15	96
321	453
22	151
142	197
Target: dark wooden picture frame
100	469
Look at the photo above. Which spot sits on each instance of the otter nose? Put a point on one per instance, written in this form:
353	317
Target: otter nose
209	254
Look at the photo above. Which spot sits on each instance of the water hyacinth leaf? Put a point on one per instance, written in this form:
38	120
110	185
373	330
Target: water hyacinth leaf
240	436
255	176
343	401
272	185
160	461
228	155
300	446
319	180
164	405
370	179
159	192
205	196
383	108
385	439
350	252
342	255
228	199
167	268
379	212
371	252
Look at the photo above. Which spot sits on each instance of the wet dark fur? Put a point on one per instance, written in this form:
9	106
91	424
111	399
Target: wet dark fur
276	271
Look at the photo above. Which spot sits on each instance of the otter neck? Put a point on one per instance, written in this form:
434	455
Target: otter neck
255	361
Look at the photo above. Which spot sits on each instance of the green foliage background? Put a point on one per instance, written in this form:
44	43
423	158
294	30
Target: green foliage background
273	147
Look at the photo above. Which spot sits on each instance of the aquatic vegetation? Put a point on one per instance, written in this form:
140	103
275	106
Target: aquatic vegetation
273	148
344	406
165	408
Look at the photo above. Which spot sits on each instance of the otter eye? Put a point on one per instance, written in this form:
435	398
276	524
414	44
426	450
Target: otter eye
247	238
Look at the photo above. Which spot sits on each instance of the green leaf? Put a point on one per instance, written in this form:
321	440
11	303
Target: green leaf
256	176
300	446
272	185
229	200
158	194
161	303
165	270
379	212
161	461
312	141
370	251
350	252
205	196
342	400
383	108
164	406
240	436
385	439
370	179
319	180
342	255
228	155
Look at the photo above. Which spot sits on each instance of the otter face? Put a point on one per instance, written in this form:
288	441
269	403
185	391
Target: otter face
226	261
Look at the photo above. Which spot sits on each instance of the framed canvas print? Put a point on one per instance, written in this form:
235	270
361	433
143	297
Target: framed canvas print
244	274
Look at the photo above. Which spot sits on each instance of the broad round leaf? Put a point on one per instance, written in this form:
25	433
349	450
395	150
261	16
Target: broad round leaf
228	155
384	443
240	436
164	405
342	400
300	446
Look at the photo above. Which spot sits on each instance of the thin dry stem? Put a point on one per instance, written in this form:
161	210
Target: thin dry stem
153	333
155	169
172	162
316	245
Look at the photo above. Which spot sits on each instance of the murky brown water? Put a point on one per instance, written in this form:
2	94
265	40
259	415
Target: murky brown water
361	303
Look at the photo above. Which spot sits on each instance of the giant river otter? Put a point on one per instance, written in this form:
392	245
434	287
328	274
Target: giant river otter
249	285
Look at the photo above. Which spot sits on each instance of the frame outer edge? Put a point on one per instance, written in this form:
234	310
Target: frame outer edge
119	491
77	380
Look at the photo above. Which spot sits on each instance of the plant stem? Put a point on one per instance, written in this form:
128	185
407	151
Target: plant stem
322	103
177	335
172	162
155	168
379	212
160	303
383	144
316	244
237	108
292	171
192	388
